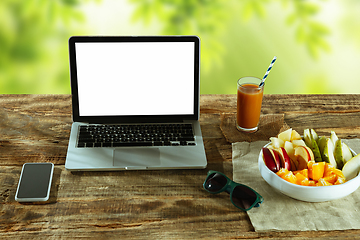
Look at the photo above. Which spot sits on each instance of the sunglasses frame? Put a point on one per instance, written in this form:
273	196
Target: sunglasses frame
230	186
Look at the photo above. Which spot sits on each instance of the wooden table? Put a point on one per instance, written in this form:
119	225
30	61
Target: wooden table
142	204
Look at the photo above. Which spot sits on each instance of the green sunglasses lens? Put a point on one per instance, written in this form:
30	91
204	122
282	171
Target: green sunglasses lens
215	182
243	197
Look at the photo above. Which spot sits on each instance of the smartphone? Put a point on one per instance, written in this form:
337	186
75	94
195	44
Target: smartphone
35	182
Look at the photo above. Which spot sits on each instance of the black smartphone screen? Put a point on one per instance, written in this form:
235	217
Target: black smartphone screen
35	181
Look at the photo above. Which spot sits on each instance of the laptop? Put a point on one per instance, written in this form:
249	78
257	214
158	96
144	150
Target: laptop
135	103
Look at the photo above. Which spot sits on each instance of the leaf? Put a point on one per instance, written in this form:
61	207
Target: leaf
319	28
291	19
301	34
142	13
259	8
285	3
247	12
309	7
313	49
321	43
70	2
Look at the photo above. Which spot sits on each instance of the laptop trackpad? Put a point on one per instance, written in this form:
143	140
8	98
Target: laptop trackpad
136	157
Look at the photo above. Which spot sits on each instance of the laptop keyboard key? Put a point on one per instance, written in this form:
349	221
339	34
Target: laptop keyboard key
158	143
89	145
131	144
186	139
167	143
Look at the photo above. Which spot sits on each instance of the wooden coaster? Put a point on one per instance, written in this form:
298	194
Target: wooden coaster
270	126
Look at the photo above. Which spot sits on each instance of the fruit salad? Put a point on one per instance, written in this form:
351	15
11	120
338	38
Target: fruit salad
311	160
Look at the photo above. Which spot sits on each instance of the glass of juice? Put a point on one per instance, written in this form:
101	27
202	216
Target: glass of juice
249	99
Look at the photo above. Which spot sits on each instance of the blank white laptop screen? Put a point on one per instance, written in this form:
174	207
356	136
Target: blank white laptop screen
135	78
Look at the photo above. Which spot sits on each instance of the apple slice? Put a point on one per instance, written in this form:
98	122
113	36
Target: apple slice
284	159
270	146
304	155
277	142
289	147
271	159
285	135
299	142
295	135
310	152
276	158
294	164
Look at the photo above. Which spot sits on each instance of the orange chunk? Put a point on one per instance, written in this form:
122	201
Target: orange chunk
300	178
304	182
323	182
316	170
338	173
328	169
303	172
282	172
331	178
290	177
312	183
307	182
340	180
310	168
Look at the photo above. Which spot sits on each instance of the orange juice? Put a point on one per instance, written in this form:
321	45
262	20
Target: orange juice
249	99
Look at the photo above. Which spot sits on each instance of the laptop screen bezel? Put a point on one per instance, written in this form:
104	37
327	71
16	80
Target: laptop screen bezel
131	118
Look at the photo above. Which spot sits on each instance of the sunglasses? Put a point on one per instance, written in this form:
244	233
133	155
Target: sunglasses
243	197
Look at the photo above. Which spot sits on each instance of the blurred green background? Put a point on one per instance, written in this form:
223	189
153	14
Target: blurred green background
317	43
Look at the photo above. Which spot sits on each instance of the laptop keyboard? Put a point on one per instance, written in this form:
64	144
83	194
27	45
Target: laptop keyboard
135	135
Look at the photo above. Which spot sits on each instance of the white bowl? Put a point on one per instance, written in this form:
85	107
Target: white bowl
307	193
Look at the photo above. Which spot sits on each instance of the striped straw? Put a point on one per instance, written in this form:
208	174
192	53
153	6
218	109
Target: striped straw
267	72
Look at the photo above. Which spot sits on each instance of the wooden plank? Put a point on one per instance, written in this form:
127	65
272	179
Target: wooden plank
281	103
34	128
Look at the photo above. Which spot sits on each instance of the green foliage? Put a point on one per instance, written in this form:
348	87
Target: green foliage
208	19
251	8
32	38
348	21
309	32
238	37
